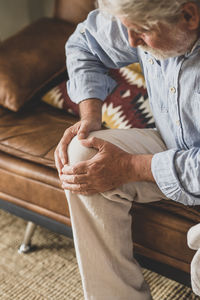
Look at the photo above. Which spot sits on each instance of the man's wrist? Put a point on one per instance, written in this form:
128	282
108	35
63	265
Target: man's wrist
141	167
90	109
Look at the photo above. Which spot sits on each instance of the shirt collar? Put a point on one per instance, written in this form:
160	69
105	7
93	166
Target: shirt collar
195	47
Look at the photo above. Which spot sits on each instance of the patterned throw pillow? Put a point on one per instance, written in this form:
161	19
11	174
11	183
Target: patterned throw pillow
126	107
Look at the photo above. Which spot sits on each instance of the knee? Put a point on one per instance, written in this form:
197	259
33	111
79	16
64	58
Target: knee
77	152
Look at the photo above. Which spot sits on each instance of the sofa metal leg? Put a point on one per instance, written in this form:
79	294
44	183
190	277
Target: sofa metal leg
26	244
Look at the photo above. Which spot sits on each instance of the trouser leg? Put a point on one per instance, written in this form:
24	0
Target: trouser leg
102	224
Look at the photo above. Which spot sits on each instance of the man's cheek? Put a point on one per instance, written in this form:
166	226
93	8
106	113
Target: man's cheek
151	43
155	44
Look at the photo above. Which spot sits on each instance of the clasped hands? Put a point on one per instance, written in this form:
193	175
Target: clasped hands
108	169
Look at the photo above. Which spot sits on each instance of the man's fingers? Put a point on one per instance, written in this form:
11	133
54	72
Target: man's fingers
83	132
58	162
93	142
63	153
79	168
73	179
79	188
81	129
75	187
63	145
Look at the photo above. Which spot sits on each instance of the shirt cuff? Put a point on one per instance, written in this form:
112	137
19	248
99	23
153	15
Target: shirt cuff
88	86
165	175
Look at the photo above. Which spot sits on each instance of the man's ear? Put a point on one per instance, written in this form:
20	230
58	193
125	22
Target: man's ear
191	15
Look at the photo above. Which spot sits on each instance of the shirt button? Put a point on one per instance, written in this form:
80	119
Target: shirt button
173	90
151	61
178	123
82	30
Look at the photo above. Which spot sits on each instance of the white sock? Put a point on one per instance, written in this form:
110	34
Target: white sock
193	240
193	237
195	273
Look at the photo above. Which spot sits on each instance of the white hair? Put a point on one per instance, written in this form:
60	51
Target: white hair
147	12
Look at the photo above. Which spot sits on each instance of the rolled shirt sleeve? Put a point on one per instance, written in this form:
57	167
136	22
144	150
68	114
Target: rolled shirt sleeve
177	174
97	45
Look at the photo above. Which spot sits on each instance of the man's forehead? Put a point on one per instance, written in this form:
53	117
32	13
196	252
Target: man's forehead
131	25
128	22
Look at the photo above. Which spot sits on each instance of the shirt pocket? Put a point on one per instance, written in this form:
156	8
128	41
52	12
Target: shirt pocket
195	104
196	89
157	92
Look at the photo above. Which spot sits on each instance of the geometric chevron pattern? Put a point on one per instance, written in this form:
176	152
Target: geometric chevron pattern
126	107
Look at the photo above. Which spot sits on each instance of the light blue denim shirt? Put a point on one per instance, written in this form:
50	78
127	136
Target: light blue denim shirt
173	86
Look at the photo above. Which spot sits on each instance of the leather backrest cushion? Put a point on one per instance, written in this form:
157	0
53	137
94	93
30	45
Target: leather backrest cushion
32	58
74	11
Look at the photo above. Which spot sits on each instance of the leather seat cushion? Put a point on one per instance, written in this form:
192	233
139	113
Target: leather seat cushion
33	133
191	213
32	186
27	170
30	137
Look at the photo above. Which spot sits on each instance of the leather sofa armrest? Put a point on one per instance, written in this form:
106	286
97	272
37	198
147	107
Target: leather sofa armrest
73	11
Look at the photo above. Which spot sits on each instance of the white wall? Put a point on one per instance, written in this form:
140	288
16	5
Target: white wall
14	14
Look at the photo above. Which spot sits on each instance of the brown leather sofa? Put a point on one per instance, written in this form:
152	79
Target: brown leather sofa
30	188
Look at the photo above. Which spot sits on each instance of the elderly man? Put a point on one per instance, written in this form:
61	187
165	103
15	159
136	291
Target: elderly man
104	171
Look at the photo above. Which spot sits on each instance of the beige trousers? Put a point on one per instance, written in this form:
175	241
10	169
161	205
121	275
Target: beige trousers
101	223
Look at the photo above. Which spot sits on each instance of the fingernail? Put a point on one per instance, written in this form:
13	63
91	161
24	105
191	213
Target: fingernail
63	168
81	135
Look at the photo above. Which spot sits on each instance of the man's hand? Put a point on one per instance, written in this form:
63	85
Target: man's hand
105	171
108	169
90	112
82	130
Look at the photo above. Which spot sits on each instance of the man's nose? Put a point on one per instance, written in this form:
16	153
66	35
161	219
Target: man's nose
134	39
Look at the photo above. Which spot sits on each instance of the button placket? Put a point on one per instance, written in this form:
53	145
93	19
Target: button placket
172	90
82	30
150	60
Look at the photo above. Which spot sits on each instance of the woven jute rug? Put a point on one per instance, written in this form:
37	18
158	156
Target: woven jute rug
51	272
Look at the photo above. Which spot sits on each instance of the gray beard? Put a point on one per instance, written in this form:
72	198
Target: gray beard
161	54
184	43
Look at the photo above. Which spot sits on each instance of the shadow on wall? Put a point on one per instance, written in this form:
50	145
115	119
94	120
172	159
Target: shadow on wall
14	15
